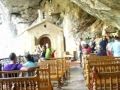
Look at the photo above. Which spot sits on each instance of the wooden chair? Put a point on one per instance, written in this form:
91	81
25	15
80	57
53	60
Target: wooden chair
45	81
66	68
96	58
101	68
54	75
106	65
58	70
105	81
39	81
98	62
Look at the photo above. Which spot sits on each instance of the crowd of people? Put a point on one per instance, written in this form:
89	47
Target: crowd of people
45	52
105	46
101	46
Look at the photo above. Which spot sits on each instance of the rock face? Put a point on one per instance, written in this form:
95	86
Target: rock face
23	13
106	10
26	9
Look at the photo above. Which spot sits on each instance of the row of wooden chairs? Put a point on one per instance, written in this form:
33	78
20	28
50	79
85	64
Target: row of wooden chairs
59	70
106	80
106	64
20	80
98	60
38	78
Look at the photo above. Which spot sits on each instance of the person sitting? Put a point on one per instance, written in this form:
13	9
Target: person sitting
13	65
30	61
29	66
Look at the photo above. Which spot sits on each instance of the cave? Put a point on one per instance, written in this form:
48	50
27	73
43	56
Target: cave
28	24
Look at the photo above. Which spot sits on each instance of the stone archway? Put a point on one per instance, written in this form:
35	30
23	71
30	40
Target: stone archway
44	40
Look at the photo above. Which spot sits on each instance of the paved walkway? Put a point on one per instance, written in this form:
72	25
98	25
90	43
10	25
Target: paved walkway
76	81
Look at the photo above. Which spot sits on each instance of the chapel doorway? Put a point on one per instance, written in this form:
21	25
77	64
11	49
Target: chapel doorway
44	40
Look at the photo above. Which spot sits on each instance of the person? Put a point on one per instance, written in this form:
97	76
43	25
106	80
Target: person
48	52
109	46
81	46
54	55
38	50
103	43
116	47
30	61
86	49
29	64
43	51
13	65
101	52
97	42
92	44
82	42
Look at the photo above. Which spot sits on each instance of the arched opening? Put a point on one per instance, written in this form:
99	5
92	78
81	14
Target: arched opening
44	40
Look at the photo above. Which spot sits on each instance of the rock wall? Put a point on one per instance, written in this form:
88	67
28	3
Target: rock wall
106	10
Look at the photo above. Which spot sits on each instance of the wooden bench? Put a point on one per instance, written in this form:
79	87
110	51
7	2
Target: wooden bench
59	70
105	81
96	58
100	62
39	81
101	66
99	57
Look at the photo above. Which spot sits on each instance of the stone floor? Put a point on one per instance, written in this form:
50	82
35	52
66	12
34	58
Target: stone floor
76	81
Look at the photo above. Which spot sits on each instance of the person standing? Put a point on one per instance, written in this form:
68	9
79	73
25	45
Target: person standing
103	43
81	46
92	44
109	46
48	52
116	47
43	52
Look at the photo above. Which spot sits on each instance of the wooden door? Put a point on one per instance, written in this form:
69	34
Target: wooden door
45	40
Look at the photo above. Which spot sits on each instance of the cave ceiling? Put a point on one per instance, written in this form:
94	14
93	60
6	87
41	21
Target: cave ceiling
26	9
106	10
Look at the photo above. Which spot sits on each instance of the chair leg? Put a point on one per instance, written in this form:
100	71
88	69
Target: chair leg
59	83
